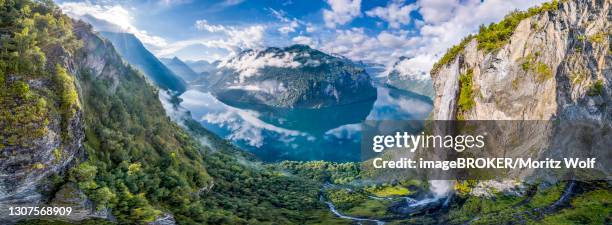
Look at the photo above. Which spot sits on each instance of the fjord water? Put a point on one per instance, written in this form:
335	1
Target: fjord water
330	134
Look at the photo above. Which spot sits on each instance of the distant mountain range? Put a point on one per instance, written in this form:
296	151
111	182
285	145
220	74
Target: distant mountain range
180	68
294	76
202	66
134	52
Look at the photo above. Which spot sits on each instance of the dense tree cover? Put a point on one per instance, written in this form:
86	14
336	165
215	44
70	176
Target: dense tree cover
59	222
591	205
337	173
135	152
23	113
143	163
68	98
495	35
25	45
345	199
138	162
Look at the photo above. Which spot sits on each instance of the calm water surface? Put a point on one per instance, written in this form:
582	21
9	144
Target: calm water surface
330	134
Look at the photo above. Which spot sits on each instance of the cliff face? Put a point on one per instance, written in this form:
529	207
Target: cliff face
41	125
23	169
556	64
26	169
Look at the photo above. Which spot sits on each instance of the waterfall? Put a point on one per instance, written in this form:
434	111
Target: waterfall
440	188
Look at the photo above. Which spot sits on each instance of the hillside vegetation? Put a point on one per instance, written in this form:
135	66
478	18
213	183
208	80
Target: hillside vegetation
495	35
135	160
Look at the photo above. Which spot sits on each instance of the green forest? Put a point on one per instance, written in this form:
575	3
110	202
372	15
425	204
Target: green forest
140	164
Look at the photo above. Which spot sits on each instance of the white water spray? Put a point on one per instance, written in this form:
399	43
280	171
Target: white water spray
440	188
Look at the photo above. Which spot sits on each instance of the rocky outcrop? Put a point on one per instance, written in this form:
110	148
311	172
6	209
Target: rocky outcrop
26	167
555	65
24	171
69	195
164	219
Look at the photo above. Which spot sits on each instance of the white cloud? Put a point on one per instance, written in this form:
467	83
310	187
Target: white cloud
415	67
249	63
230	38
310	28
435	11
204	25
288	25
304	40
116	16
444	23
173	2
395	14
342	12
355	44
289	28
249	37
280	15
270	87
244	125
393	40
231	2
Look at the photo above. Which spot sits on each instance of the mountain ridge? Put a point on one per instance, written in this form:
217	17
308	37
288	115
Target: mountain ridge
134	52
293	76
101	142
180	68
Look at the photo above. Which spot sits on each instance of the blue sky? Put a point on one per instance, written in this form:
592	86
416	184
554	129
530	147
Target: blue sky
372	31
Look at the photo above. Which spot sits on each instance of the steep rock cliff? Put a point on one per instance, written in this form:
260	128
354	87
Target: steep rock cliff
41	127
556	64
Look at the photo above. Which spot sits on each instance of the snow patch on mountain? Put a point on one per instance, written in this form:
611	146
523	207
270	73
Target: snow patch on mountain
249	63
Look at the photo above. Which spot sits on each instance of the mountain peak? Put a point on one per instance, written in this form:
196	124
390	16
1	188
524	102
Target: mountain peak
298	47
180	68
135	53
293	76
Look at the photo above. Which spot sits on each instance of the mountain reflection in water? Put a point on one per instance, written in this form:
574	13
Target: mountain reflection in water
330	134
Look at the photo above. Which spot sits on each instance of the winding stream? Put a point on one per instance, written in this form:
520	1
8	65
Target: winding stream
333	209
